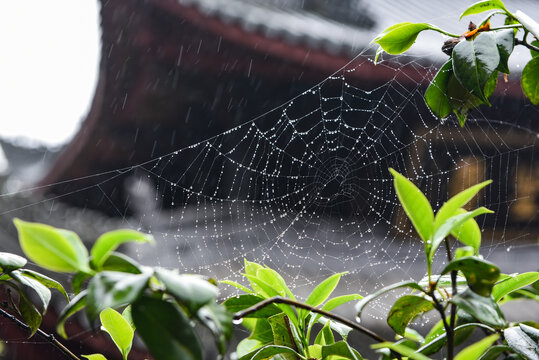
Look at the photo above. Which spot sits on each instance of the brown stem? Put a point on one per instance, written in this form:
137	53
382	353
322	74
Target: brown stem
524	43
49	337
281	300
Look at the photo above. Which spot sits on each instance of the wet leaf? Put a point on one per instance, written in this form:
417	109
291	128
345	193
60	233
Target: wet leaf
521	343
281	334
10	262
480	307
436	94
398	38
475	350
165	330
482	6
480	274
405	309
530	80
415	204
474	62
513	283
242	302
321	293
505	41
44	280
41	290
219	321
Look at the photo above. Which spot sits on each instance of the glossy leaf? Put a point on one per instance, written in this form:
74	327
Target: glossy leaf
78	281
51	248
281	334
480	307
475	350
44	280
415	204
533	52
367	299
400	37
41	290
405	309
165	330
505	41
242	302
114	289
219	321
461	100
529	24
128	316
474	62
464	251
530	80
10	262
120	262
401	349
337	327
521	343
271	276
325	336
76	304
494	352
94	357
514	283
450	207
321	293
532	332
246	346
480	274
436	94
29	312
340	350
482	6
108	242
269	351
332	304
191	290
119	330
468	233
262	332
451	224
237	286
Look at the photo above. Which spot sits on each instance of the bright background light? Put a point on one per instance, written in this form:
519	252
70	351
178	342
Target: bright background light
49	57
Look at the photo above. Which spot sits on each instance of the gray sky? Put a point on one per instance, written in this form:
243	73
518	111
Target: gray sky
49	53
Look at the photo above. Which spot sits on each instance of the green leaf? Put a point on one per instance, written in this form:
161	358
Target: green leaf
109	241
482	6
242	302
405	309
128	317
367	299
282	335
76	304
464	251
341	329
415	204
475	350
521	343
530	331
165	330
514	283
119	330
114	289
53	249
191	290
505	41
219	321
340	350
480	274
474	62
262	332
379	51
530	80
437	336
321	293
330	305
436	94
461	100
29	312
41	290
94	357
120	262
236	285
78	281
10	262
271	276
480	307
269	351
44	280
400	37
246	346
453	223
401	349
533	52
468	233
450	207
494	352
325	336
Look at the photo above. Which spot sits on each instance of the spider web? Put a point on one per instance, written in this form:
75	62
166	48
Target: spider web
305	188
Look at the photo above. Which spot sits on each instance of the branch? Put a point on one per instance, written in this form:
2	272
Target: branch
49	337
524	43
281	300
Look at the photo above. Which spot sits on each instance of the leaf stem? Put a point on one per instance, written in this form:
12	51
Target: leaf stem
281	300
513	26
49	337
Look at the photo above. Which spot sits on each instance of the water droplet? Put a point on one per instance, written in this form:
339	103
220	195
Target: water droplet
358	319
237	321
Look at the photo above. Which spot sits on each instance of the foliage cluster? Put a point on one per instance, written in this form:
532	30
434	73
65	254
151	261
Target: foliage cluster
468	79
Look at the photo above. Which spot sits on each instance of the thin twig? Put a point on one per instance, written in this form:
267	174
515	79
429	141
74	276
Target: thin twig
281	300
50	338
453	311
524	43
